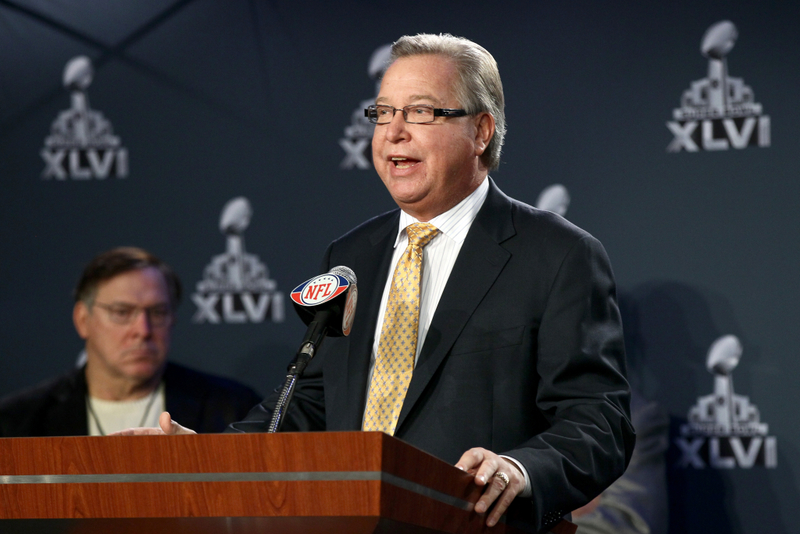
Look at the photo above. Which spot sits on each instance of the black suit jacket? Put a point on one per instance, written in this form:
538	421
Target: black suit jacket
199	401
524	356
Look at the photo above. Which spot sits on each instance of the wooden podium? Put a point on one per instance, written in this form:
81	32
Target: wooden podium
326	482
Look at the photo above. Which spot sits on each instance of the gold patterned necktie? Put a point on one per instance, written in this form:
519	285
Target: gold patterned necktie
397	349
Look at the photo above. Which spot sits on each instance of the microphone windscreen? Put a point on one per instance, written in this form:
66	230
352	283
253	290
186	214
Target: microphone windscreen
346	272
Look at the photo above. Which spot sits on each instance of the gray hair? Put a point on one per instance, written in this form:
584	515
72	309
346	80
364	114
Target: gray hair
479	89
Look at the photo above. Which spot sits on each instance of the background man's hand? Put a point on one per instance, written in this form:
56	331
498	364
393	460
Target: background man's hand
484	464
587	508
166	427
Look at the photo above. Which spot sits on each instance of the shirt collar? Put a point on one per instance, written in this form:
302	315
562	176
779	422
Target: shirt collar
455	222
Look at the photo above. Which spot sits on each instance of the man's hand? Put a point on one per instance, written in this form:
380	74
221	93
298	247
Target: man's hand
586	508
484	465
168	427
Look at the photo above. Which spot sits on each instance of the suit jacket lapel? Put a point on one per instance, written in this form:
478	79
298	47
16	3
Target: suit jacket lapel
477	267
371	267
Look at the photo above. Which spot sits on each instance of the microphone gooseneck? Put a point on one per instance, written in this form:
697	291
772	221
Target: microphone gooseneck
326	303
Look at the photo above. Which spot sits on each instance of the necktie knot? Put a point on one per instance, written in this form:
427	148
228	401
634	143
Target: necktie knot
420	234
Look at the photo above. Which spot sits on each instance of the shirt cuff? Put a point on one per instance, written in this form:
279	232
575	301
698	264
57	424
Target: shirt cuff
527	492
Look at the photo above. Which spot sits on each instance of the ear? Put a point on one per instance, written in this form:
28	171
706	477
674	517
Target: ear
484	131
80	318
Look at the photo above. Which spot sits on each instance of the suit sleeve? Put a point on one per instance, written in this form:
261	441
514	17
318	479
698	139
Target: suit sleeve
637	502
582	392
306	411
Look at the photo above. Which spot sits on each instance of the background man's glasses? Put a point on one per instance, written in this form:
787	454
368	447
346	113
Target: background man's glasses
158	315
419	114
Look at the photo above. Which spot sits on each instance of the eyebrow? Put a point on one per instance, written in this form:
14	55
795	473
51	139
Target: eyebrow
132	305
412	98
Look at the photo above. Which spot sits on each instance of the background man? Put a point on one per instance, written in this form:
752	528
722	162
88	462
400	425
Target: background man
125	309
514	331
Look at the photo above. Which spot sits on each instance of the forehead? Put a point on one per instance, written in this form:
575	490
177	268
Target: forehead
139	286
428	77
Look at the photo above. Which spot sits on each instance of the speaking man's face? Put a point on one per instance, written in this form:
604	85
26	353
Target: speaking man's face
428	168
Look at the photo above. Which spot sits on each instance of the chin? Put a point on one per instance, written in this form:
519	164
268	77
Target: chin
406	191
144	370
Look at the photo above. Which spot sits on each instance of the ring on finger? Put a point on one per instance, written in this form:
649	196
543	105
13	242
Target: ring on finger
504	477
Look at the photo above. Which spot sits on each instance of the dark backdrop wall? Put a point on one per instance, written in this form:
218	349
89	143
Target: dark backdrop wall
207	101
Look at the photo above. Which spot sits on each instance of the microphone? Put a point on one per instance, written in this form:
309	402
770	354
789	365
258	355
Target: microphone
327	304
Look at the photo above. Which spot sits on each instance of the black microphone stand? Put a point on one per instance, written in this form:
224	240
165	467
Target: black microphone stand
308	348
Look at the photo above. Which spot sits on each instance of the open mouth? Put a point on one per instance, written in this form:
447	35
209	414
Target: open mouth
404	163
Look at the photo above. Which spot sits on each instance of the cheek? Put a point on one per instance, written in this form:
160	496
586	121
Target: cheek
108	346
110	338
377	162
376	146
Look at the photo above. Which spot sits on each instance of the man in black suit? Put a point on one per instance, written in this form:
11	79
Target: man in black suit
124	310
519	346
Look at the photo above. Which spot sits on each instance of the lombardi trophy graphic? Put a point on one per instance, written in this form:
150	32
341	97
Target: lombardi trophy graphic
724	430
77	78
81	144
719	95
718	112
724	413
717	42
236	287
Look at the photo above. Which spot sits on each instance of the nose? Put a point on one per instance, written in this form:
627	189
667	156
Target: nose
141	324
397	130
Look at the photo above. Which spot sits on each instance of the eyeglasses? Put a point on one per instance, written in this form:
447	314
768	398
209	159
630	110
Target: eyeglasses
419	114
159	315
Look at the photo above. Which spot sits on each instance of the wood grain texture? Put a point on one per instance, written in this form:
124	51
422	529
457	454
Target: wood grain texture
238	506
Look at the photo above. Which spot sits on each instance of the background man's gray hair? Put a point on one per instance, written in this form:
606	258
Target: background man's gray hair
480	88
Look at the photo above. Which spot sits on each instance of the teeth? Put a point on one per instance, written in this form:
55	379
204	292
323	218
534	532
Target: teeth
401	163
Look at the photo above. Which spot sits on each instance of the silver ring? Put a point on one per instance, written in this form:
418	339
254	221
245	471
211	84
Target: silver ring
504	477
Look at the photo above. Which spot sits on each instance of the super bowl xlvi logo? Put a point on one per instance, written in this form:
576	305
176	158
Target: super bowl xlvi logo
81	144
720	111
358	135
724	430
236	287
